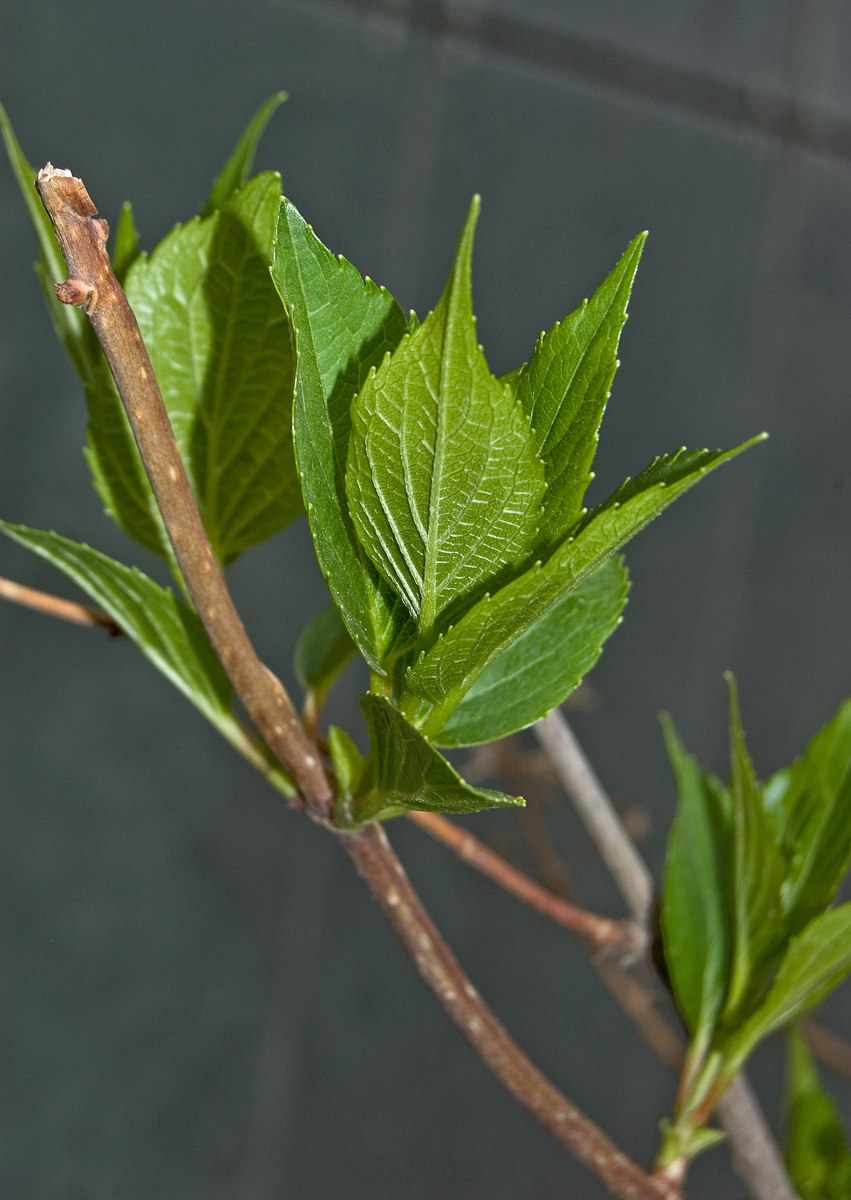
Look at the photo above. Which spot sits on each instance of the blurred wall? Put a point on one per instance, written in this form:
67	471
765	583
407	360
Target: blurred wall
200	999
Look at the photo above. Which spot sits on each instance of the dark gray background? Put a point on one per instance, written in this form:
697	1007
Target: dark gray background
200	999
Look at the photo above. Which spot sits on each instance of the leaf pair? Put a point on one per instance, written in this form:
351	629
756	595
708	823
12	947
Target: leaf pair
749	875
221	349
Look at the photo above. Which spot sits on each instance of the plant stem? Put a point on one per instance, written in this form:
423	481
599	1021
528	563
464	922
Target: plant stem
601	932
92	286
55	606
604	826
828	1047
755	1154
377	863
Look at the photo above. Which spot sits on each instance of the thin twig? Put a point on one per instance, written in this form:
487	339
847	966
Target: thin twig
55	606
384	873
597	813
828	1047
755	1154
601	932
93	287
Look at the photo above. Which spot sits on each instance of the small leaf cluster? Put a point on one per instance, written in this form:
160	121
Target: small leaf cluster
446	505
750	940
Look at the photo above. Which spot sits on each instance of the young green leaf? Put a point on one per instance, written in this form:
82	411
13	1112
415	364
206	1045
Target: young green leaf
817	959
404	772
443	482
445	673
817	1155
323	650
811	802
168	632
236	170
220	346
544	665
343	326
70	323
565	387
126	249
759	931
694	920
117	469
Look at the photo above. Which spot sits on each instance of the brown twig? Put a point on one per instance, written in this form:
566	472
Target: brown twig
828	1047
384	873
55	606
93	287
601	932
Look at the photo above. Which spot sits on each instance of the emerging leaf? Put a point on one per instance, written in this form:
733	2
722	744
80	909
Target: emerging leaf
220	346
323	650
168	632
343	326
126	249
445	673
811	802
544	665
238	167
694	920
443	481
817	1155
759	931
404	772
565	387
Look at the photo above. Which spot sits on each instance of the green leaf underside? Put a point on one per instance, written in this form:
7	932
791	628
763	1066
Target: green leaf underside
220	345
759	932
694	921
811	802
446	672
443	481
117	469
125	249
236	170
405	772
817	1155
323	650
565	387
817	960
544	665
166	630
343	326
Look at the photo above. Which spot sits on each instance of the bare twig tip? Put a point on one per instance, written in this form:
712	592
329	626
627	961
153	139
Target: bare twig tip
48	172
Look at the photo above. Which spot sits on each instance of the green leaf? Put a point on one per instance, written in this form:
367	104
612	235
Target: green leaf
817	1155
544	665
220	346
811	802
444	674
565	387
759	931
404	772
323	650
817	959
126	249
343	326
443	482
117	469
71	324
168	632
238	167
694	920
